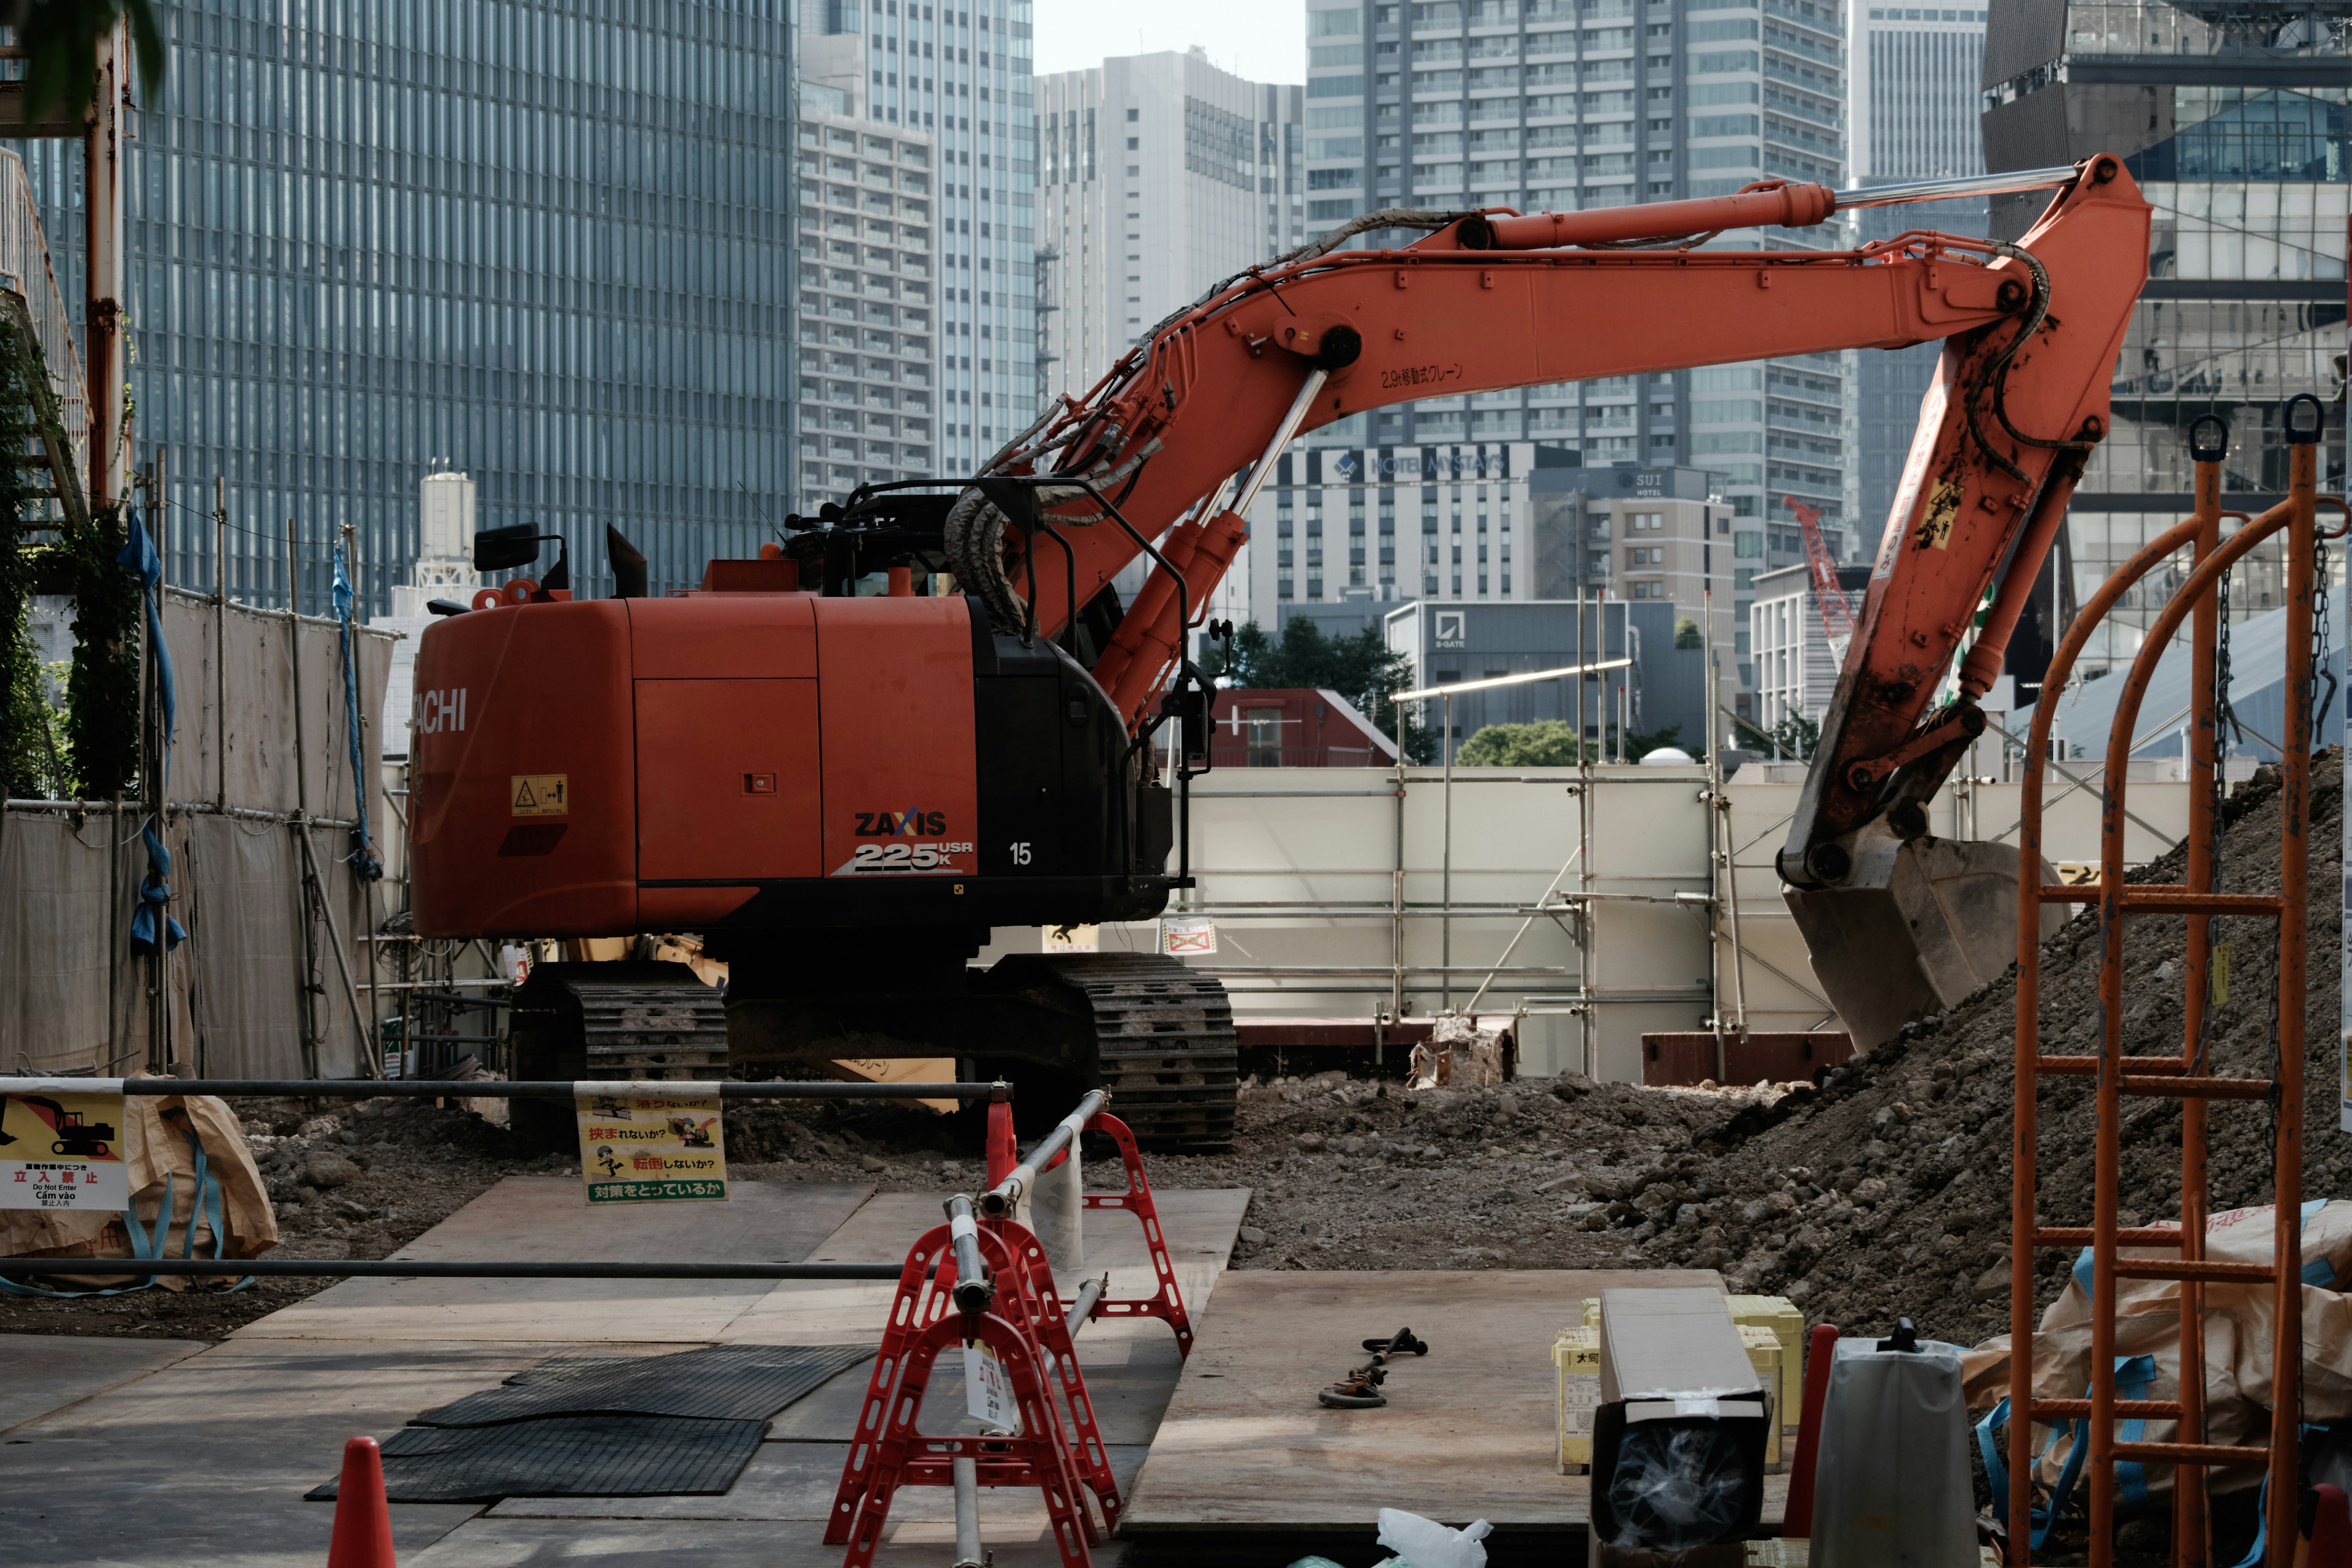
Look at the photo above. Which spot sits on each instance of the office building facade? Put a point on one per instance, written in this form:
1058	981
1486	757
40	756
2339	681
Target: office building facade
1159	176
868	303
1912	108
552	247
962	76
2238	125
1549	105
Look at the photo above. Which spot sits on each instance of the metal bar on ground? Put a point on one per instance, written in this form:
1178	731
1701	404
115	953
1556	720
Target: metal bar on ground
443	1269
969	1552
501	1089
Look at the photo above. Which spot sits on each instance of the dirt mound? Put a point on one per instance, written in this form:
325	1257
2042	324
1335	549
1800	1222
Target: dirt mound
1889	1193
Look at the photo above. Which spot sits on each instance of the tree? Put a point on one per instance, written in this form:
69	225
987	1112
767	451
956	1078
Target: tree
59	38
1362	669
1794	738
1687	634
1640	743
1545	743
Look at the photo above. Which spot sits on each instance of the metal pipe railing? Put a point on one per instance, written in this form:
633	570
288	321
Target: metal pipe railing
1006	1197
442	1269
500	1089
974	1288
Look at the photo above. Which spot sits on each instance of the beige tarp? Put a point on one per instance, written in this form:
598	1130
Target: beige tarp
74	996
163	1163
2237	1340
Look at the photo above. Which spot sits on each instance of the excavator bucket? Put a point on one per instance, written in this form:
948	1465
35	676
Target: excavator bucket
1917	924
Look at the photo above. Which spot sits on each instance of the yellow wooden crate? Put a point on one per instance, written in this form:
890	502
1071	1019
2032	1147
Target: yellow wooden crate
1788	1325
1576	1355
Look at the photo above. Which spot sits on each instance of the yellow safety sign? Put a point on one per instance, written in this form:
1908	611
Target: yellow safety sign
542	795
640	1145
61	1148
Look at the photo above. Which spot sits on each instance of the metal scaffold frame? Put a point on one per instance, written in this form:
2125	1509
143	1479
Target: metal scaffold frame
2188	1077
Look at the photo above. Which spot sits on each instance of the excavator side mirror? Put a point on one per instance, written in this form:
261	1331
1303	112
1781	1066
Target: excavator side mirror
1189	706
504	549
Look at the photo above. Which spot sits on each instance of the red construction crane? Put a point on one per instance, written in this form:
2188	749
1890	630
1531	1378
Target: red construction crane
1829	595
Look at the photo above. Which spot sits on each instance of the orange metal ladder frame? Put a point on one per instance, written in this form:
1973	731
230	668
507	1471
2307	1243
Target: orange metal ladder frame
2171	1076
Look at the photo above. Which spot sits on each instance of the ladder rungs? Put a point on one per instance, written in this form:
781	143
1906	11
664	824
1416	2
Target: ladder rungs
2080	1235
2194	1454
2185	1268
2166	897
2124	1409
2197	1088
2088	1066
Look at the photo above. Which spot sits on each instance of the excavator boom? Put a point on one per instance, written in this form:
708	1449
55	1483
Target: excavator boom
1495	301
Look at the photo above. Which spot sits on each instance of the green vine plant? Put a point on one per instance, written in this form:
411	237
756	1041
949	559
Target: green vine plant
92	750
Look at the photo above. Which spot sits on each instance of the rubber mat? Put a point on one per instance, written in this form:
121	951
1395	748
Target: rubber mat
739	1382
564	1455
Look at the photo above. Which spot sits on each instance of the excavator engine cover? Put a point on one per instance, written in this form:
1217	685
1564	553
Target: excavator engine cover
1916	926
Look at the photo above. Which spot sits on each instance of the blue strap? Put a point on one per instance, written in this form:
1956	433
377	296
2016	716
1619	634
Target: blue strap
152	920
209	1206
363	858
2134	1374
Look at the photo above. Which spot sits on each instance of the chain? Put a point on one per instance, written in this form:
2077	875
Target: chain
2322	573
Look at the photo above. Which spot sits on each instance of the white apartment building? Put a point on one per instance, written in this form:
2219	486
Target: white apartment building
1795	671
1385	525
961	76
1159	176
868	309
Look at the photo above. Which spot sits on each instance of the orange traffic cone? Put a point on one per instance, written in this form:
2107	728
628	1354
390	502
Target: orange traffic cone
1004	1153
363	1537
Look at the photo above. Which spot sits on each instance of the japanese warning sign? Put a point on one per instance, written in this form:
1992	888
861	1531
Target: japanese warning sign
61	1145
639	1144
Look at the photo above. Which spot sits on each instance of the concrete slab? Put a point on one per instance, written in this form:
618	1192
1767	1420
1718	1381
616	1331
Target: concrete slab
1199	1225
1245	1448
205	1461
48	1373
794	1483
712	1543
545	1218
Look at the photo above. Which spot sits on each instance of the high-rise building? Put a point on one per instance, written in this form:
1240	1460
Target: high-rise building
1564	104
549	246
1912	110
962	76
1159	175
2235	122
869	306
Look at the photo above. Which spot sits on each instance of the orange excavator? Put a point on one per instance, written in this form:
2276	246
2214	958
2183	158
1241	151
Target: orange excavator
928	714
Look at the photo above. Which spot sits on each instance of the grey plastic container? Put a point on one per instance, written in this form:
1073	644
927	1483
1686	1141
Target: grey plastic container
1891	1489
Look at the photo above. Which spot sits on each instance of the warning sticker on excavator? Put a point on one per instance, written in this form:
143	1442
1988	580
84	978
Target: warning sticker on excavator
638	1146
542	795
61	1149
1935	531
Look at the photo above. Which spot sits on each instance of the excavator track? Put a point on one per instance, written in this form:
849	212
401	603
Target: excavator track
632	1020
1165	1044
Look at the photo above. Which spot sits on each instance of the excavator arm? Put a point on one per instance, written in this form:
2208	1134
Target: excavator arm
1174	442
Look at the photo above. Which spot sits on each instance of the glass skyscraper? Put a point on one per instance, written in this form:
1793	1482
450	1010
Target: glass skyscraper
551	245
1914	117
963	77
1557	105
2236	123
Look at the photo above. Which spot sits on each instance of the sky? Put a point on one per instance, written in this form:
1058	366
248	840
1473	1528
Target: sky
1263	40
